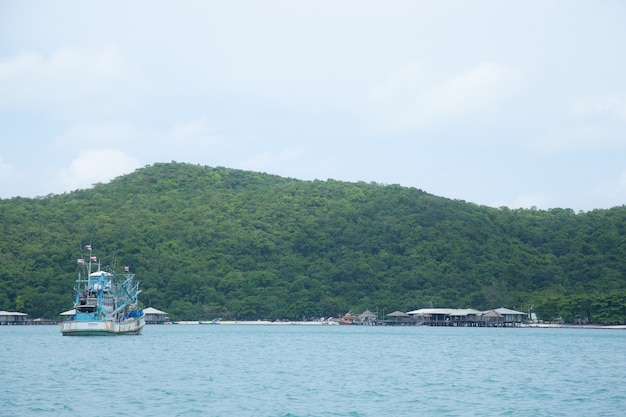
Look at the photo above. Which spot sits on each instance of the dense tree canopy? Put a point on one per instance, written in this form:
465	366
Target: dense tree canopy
208	242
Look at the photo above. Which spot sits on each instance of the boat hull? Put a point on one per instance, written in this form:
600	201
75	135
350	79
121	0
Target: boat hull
103	328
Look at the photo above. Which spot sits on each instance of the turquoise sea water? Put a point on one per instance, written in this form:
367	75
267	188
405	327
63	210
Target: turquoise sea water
295	370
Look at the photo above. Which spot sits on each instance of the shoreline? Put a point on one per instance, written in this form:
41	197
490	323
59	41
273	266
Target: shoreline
326	323
577	326
253	322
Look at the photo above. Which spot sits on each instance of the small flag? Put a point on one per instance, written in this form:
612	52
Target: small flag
80	261
127	268
93	258
88	247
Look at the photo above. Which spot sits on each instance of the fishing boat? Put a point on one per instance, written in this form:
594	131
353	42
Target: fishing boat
105	303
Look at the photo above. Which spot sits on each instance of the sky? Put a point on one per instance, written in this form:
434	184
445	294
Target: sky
519	103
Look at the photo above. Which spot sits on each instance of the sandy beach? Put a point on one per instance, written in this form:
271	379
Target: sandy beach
576	326
254	322
326	323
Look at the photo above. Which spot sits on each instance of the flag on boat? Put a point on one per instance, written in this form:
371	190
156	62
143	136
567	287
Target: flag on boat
80	261
88	246
93	258
127	268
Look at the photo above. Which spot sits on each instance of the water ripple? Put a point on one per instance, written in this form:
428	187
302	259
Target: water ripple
304	371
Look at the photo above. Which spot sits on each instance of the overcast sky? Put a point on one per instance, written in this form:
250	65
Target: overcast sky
500	103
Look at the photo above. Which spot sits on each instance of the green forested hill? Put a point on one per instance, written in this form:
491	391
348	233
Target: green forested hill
209	242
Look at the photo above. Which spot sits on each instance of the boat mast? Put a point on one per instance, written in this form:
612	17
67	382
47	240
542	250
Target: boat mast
91	258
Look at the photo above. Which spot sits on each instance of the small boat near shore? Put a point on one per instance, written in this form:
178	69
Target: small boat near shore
105	304
209	322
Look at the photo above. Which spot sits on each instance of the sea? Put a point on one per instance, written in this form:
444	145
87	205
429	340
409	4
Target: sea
305	370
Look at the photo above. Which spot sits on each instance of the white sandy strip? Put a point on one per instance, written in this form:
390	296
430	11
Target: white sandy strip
266	322
576	326
254	322
320	323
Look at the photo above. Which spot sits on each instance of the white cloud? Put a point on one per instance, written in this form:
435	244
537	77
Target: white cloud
93	166
6	173
578	138
103	134
471	92
621	182
413	98
611	104
192	141
177	139
609	191
193	133
269	160
583	122
23	62
109	62
67	79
